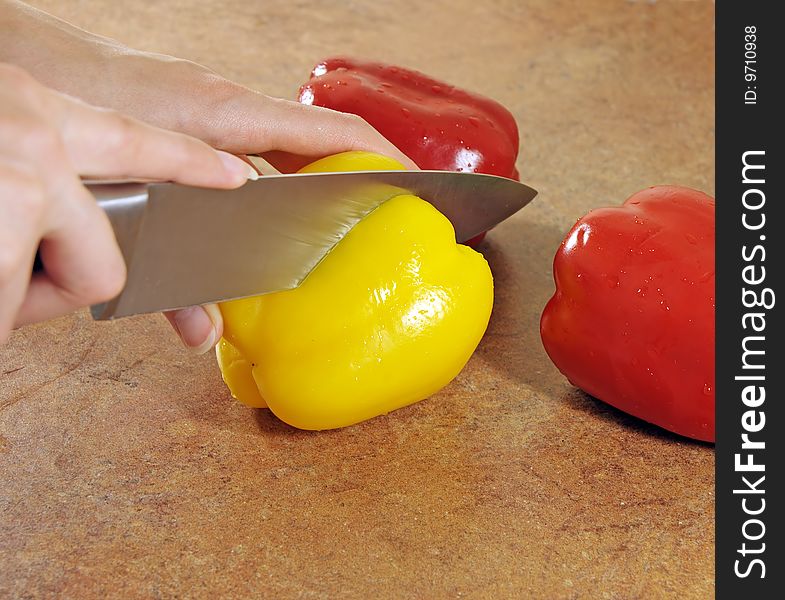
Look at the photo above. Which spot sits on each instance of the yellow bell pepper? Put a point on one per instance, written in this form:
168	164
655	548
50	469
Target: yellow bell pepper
389	317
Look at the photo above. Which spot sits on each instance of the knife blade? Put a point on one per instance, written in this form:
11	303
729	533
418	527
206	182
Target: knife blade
185	246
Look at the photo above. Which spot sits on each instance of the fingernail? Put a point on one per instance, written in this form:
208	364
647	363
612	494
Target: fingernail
216	317
237	166
196	329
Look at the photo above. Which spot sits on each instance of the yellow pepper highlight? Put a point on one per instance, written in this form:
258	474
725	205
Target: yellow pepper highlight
389	317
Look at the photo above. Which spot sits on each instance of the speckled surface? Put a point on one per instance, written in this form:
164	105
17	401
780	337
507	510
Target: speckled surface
127	471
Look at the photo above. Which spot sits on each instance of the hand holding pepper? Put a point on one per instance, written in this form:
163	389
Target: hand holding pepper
47	140
182	96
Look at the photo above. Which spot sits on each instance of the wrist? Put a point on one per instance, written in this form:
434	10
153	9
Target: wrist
161	90
56	53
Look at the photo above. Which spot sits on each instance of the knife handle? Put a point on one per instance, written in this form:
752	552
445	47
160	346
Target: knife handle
124	203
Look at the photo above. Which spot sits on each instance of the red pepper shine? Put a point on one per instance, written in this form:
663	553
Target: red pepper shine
439	126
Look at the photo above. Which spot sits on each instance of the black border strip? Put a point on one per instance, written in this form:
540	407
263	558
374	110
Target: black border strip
749	117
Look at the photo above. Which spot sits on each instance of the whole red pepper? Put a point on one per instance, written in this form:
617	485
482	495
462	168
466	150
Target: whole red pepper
632	319
437	125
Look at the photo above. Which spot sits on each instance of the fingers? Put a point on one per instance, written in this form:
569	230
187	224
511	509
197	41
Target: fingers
315	131
44	203
80	269
251	123
47	141
199	327
19	226
102	143
160	90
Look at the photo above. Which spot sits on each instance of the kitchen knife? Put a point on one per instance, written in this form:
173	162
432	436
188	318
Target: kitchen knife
185	246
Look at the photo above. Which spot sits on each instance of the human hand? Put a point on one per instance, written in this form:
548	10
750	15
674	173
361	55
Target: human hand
177	94
182	96
47	141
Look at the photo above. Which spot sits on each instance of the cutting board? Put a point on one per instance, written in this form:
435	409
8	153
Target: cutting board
128	471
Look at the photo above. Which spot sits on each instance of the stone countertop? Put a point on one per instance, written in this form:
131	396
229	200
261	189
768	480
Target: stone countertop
126	469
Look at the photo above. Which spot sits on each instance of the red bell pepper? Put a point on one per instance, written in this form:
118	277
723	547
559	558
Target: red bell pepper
437	125
632	319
